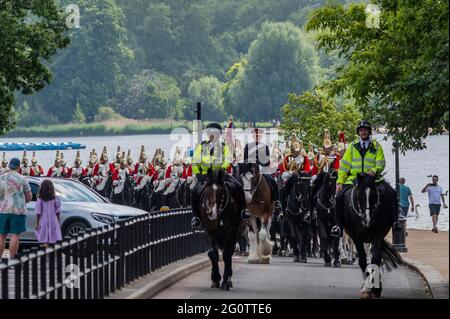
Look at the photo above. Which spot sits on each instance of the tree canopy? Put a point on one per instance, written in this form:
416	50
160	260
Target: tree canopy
31	32
397	73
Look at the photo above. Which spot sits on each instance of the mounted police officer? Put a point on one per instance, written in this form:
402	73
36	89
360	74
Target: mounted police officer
211	154
365	155
258	152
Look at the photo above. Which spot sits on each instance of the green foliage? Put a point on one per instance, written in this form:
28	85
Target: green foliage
92	68
209	91
78	115
148	95
31	32
306	116
106	113
281	60
398	73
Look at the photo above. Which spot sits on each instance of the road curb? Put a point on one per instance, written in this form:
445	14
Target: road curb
155	286
438	286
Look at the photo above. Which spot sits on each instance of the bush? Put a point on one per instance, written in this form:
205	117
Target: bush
106	113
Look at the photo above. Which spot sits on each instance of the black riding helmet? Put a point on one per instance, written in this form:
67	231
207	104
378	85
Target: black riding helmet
364	124
214	126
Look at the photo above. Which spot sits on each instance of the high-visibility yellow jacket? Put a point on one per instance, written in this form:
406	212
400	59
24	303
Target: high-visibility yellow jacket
353	162
207	155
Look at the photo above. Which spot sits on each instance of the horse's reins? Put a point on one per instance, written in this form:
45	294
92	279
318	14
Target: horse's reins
255	188
358	211
321	203
299	197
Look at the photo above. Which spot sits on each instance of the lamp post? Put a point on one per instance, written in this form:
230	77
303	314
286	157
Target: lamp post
399	236
197	125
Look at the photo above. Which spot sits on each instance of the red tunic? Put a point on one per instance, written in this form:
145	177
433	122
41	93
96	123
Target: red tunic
40	169
187	171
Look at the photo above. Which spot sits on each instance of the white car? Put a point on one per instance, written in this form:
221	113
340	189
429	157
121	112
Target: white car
82	208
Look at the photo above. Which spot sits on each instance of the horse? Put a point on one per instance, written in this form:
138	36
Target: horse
261	205
221	204
324	206
298	191
126	195
107	189
368	215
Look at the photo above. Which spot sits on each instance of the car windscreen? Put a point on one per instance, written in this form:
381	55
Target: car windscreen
74	192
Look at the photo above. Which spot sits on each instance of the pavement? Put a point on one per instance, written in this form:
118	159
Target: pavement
283	279
428	253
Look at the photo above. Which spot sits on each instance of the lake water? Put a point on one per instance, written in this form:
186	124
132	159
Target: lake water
414	166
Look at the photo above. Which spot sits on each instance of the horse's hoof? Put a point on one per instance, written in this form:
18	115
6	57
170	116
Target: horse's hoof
337	263
265	261
253	261
225	286
327	264
365	295
296	259
215	284
303	260
230	283
310	255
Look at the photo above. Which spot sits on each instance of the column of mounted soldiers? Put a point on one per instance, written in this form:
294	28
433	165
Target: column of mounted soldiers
110	177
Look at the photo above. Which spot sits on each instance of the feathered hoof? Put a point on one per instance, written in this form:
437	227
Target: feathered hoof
327	264
337	263
365	295
215	284
253	261
296	259
230	283
265	261
225	286
303	260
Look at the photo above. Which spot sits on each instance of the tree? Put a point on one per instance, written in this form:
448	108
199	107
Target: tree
31	32
306	116
92	69
78	115
397	73
280	61
208	90
149	94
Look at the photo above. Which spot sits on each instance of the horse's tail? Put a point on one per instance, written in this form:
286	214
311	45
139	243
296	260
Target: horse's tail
391	257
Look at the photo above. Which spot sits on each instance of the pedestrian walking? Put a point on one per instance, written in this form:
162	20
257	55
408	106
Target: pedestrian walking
435	195
406	197
48	211
15	193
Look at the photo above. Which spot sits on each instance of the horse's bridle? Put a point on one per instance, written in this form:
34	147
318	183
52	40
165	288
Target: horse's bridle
223	206
331	201
358	210
254	188
298	197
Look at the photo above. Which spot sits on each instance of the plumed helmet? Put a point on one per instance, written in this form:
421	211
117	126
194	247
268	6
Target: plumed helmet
341	144
327	139
58	157
34	158
4	160
129	158
311	154
78	159
142	155
24	157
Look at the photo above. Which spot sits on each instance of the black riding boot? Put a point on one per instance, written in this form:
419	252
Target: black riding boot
195	198
337	230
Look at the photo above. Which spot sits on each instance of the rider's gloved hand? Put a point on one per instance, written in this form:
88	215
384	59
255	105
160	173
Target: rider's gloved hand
338	188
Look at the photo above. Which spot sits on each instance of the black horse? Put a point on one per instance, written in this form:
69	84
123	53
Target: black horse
324	206
221	203
368	212
106	191
298	190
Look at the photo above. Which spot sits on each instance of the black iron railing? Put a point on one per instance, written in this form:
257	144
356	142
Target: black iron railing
101	261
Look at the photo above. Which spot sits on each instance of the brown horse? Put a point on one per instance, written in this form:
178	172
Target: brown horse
261	205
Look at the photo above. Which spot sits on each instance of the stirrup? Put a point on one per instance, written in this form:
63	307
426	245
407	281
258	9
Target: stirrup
396	226
196	223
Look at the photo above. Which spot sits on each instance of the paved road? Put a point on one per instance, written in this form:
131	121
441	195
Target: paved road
288	280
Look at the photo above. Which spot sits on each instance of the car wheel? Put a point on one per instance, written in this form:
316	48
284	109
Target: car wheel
76	228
